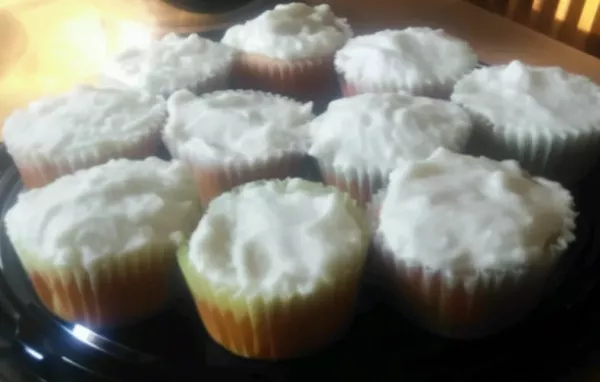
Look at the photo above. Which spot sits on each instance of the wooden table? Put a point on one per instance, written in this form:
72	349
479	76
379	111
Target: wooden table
47	46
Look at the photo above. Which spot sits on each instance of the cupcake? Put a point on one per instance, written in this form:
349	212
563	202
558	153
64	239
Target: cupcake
420	61
172	63
289	50
99	244
468	245
543	117
84	127
233	137
274	267
358	140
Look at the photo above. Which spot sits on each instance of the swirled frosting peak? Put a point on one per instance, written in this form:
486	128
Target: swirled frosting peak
290	32
109	210
278	238
372	131
453	211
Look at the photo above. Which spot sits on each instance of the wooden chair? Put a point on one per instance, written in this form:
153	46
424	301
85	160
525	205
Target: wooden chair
575	22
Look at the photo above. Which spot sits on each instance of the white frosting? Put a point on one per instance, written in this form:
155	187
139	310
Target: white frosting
405	59
454	211
170	64
279	238
531	99
83	119
108	210
372	131
226	125
290	32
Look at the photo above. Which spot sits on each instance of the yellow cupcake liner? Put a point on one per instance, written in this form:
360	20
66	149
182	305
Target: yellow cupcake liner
117	290
280	326
274	327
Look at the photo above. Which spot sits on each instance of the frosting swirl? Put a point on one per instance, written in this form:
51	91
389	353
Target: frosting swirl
109	210
291	32
372	131
278	238
531	99
85	118
405	59
454	211
170	63
227	125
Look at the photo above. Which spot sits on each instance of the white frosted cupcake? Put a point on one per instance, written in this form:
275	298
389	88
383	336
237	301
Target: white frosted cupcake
84	127
420	61
233	137
173	63
98	245
358	140
289	50
468	245
545	118
274	267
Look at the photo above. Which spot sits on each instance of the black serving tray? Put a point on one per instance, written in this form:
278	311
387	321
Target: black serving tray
379	346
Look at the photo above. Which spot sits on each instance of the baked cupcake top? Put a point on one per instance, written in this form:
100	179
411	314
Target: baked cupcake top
453	211
291	32
531	99
409	58
102	212
279	238
83	119
170	64
228	125
372	131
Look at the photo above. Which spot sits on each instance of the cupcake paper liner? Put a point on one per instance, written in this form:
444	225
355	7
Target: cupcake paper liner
462	304
431	90
306	79
121	291
565	158
215	177
220	81
359	184
38	170
277	327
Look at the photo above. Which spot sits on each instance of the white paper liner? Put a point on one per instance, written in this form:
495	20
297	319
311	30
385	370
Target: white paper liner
305	79
216	177
120	291
565	158
461	304
360	184
439	90
37	170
